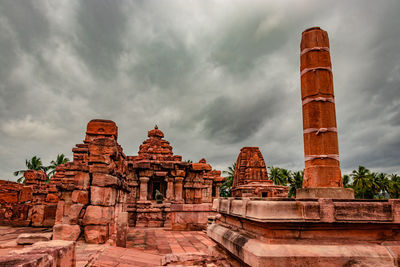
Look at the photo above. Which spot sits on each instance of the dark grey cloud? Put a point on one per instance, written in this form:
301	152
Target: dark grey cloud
214	75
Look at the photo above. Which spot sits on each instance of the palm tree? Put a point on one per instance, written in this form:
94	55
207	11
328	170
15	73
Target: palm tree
346	181
295	181
35	163
226	187
394	186
285	174
364	184
278	175
61	159
383	184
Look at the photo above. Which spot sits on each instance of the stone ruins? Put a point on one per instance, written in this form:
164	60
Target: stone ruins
324	225
103	194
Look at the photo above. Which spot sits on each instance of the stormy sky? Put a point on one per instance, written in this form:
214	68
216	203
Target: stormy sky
213	75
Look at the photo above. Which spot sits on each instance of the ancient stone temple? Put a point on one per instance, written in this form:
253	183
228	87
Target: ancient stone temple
183	185
103	191
324	225
251	176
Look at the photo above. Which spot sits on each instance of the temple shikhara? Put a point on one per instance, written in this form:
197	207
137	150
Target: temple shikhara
251	177
150	209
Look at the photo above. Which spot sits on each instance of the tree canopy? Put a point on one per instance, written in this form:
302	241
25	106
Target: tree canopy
366	184
35	163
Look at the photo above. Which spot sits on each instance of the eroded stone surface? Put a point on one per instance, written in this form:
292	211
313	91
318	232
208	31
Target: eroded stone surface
66	232
31	238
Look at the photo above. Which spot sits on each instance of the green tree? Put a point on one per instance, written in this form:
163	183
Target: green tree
35	163
278	175
382	184
364	184
394	186
346	181
61	159
226	187
295	181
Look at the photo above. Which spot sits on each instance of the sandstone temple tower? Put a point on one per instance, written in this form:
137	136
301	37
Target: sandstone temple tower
322	175
251	177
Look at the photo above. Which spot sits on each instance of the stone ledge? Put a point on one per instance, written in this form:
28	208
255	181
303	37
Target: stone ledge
325	192
256	253
191	207
310	210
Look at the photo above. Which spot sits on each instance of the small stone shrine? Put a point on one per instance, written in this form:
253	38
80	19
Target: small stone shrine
251	176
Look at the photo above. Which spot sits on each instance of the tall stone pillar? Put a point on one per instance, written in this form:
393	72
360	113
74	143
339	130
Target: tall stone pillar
143	188
322	176
170	188
178	189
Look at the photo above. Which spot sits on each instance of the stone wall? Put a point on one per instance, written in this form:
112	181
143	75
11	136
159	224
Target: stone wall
192	217
31	204
94	187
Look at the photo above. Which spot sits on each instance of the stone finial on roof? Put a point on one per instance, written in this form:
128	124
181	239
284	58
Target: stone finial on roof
155	133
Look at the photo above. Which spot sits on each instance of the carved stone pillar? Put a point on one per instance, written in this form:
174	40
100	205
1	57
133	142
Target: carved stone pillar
170	188
198	193
178	189
143	188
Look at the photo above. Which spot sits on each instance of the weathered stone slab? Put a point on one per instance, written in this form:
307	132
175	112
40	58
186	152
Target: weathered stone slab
80	196
101	179
82	180
104	196
363	211
274	210
31	238
96	234
325	192
66	232
98	215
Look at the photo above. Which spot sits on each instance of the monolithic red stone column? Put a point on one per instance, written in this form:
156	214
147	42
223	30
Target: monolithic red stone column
143	188
178	189
322	176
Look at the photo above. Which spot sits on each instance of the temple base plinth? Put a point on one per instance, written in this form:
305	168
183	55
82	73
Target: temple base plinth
322	232
325	192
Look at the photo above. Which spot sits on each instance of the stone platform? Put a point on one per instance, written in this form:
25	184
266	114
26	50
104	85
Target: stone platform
320	232
145	247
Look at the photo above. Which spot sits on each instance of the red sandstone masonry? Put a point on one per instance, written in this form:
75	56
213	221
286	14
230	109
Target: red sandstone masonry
90	196
322	167
251	177
94	187
102	184
33	203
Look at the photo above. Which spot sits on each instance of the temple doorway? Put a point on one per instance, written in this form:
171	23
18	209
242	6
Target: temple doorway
157	184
